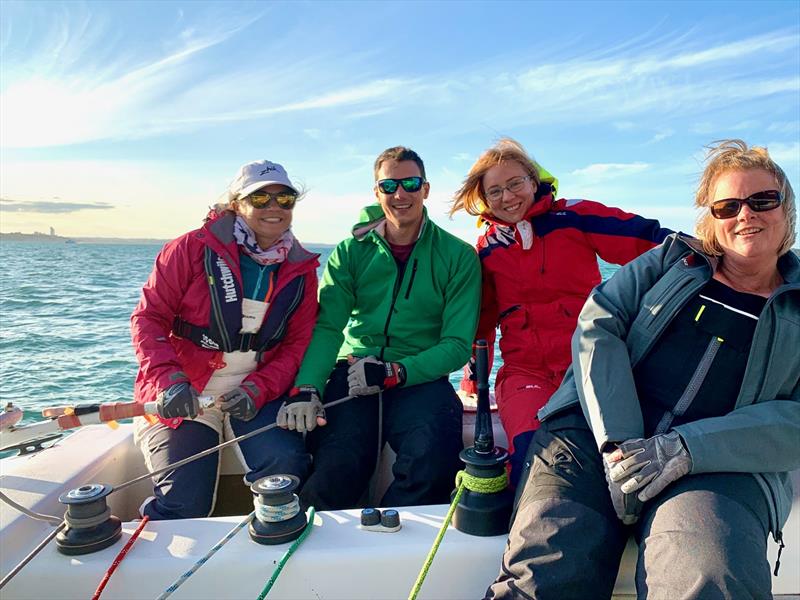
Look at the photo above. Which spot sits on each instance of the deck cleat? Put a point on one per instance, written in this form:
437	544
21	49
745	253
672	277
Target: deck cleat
90	524
278	518
484	508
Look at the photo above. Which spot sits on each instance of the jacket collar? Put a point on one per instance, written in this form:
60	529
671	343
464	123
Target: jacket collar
372	218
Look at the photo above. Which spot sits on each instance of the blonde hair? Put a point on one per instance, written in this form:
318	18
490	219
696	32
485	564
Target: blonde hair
734	155
470	196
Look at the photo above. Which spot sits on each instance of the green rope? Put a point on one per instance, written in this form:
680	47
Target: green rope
474	484
287	554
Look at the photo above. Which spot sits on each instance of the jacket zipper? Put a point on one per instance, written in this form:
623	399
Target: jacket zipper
215	306
397	283
411	281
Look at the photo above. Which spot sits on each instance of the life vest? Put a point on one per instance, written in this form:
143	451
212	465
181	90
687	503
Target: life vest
225	312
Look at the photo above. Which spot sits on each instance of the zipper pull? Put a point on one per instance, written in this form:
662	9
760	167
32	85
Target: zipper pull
779	540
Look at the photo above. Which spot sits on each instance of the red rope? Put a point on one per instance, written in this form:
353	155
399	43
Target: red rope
119	558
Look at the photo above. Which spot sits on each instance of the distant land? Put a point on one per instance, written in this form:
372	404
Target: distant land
44	238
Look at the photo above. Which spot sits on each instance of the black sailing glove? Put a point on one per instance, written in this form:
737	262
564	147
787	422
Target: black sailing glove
651	465
627	506
370	376
178	400
237	403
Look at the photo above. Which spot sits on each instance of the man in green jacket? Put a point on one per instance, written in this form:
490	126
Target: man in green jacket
399	305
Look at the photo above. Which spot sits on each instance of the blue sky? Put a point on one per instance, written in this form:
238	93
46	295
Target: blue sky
128	119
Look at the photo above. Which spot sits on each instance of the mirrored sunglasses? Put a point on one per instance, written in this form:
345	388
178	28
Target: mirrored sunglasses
409	184
261	199
758	202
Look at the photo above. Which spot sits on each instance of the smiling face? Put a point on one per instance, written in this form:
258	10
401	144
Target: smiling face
403	209
267	223
749	235
510	207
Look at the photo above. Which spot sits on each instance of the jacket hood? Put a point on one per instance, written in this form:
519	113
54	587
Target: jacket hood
372	216
543	198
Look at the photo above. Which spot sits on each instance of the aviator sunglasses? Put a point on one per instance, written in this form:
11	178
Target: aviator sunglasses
758	202
261	199
409	184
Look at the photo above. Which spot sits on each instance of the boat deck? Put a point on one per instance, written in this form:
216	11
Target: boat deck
338	559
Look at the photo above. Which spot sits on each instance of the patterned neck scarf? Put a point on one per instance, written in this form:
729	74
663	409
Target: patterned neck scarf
246	239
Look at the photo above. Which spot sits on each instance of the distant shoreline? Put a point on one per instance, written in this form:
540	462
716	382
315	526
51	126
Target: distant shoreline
57	239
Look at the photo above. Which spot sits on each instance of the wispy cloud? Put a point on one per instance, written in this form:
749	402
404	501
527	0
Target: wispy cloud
54	206
609	170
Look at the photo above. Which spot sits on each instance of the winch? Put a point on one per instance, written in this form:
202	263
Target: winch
484	508
278	517
90	524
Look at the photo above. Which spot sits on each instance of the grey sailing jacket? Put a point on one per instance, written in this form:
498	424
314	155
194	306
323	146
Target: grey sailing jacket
624	317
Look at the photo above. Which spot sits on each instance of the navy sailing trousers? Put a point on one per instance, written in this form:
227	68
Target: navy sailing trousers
190	491
421	423
703	537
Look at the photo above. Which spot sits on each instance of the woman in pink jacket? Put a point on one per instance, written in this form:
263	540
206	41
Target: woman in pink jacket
227	312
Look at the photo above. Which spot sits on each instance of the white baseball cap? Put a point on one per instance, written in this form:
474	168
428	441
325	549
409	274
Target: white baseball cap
258	174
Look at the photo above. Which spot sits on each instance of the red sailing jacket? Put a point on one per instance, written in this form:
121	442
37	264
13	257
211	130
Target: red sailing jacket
178	288
538	274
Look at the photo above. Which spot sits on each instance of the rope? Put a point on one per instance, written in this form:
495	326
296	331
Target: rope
463	481
482	485
119	558
287	554
180	580
276	514
33	515
33	553
205	453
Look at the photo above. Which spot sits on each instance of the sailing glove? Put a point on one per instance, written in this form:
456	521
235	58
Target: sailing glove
651	465
369	376
302	410
627	506
178	400
237	403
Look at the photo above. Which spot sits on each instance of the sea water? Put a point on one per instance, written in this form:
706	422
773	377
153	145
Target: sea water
65	321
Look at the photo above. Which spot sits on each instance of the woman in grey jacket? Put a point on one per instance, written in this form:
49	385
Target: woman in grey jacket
680	416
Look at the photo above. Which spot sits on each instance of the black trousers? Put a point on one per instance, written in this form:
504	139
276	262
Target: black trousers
421	423
704	536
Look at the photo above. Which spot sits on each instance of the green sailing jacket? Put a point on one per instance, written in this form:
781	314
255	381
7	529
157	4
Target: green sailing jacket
622	320
423	316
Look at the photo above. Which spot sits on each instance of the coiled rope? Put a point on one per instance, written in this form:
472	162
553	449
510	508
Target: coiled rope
182	579
288	553
119	558
483	485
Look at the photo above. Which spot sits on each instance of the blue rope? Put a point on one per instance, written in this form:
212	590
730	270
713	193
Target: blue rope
180	580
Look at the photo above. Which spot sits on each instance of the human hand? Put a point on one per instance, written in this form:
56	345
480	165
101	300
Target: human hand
302	410
237	403
649	465
178	400
627	506
369	375
469	382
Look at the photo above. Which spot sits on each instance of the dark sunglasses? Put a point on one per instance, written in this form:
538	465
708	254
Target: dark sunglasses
261	199
758	202
409	184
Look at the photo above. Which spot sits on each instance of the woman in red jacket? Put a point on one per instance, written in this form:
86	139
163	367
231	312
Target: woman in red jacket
227	312
539	263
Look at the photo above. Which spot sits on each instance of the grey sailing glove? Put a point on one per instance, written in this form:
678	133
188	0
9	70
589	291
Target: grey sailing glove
302	411
627	506
369	376
178	400
651	465
237	403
